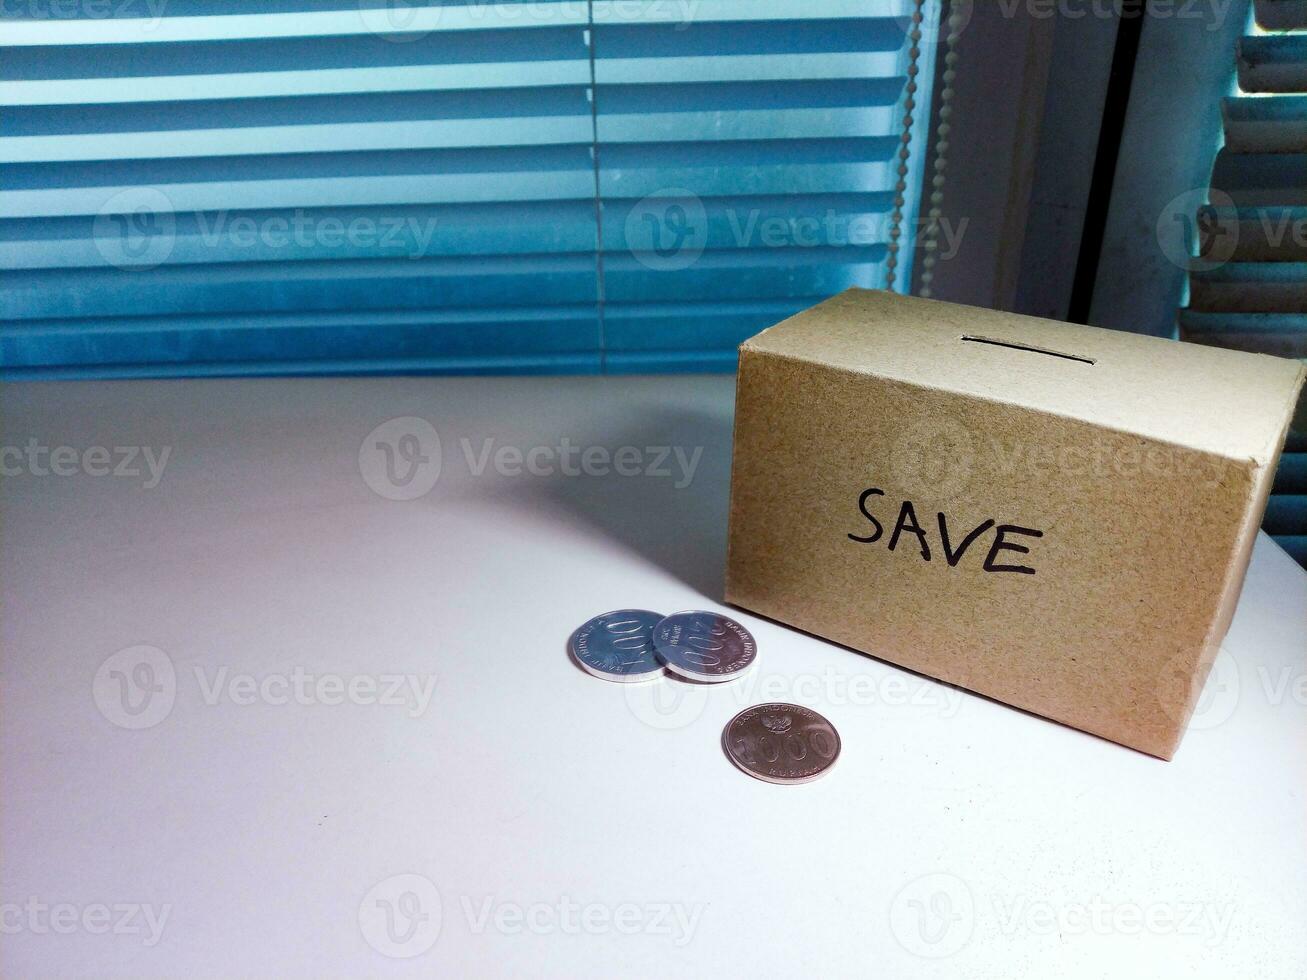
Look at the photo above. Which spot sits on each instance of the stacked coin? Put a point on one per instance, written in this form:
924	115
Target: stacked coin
777	743
704	646
618	646
636	644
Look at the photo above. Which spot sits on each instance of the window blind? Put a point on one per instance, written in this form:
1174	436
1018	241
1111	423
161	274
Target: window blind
547	185
1248	286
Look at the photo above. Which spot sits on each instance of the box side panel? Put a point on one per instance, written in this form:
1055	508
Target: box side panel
1046	562
747	406
1260	479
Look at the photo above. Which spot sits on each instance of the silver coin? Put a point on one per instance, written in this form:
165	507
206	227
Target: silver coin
781	743
704	646
618	646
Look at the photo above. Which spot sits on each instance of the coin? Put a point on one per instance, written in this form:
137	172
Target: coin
781	743
618	646
704	646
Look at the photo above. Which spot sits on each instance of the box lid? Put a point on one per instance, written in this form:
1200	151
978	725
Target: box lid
1213	400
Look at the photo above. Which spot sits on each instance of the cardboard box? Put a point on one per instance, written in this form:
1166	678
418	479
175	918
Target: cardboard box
1056	516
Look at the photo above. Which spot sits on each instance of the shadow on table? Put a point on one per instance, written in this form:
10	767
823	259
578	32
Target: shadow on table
673	512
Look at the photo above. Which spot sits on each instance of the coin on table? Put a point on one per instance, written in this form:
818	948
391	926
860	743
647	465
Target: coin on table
704	646
618	646
781	743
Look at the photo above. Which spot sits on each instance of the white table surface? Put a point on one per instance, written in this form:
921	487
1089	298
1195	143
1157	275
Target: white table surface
549	823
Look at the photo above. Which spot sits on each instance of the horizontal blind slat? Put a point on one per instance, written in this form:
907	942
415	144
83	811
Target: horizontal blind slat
1291	477
773	179
418	333
360	19
1266	125
260	85
687	13
1281	15
1250	287
343	192
1260	234
311	234
1281	334
1286	513
1261	179
1273	63
287	287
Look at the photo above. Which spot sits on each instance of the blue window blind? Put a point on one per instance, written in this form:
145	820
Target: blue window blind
535	186
1248	284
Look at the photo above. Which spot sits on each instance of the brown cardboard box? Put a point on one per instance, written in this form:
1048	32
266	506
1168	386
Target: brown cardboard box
1056	516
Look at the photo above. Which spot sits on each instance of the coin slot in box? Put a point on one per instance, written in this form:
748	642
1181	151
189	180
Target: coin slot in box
1027	347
